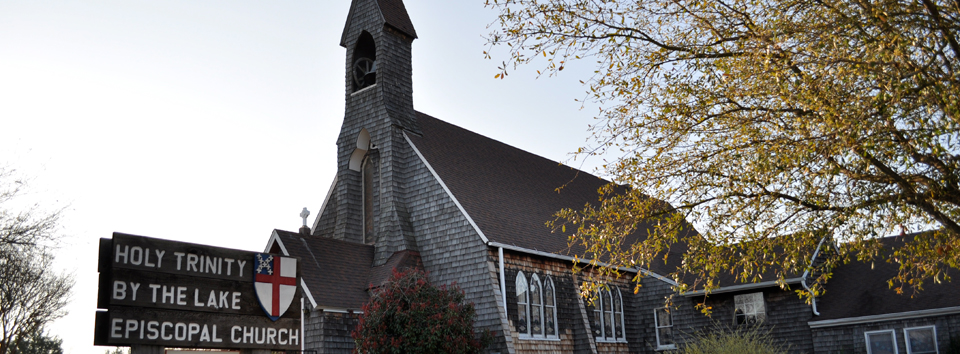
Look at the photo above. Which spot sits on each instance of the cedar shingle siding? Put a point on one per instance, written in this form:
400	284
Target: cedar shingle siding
850	338
450	201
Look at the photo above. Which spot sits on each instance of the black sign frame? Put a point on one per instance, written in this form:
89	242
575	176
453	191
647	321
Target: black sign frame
185	295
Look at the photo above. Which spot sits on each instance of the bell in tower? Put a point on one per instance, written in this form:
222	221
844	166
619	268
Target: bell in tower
368	204
364	62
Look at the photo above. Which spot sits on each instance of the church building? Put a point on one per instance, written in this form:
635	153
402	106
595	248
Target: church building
414	191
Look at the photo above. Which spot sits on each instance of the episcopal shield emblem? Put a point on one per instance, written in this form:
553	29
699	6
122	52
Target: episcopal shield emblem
275	281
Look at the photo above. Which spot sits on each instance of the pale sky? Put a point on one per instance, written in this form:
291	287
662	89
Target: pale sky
215	122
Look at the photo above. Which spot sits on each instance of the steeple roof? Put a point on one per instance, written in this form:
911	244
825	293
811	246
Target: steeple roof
393	13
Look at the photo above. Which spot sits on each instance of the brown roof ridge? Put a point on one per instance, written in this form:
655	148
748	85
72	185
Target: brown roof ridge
338	275
325	238
531	154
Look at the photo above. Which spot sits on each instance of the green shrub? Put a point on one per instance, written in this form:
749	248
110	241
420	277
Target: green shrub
721	340
410	315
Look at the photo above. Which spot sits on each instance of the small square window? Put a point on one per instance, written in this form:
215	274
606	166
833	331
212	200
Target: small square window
921	340
881	342
749	309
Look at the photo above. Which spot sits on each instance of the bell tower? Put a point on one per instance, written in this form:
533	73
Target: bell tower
367	203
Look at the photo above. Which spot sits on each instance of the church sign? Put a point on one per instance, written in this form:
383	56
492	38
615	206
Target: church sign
177	294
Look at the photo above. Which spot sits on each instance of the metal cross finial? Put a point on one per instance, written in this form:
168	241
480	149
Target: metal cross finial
304	214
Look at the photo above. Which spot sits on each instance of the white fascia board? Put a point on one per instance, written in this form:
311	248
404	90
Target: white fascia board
339	310
445	189
323	206
275	238
581	260
885	317
306	291
742	287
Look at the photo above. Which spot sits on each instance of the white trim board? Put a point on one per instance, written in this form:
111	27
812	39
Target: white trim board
885	317
581	260
316	221
275	238
445	189
741	287
306	291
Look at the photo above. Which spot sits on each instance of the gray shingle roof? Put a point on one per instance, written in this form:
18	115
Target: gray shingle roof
509	193
395	15
860	289
337	272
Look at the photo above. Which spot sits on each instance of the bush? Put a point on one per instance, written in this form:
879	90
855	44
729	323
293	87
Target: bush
409	315
721	340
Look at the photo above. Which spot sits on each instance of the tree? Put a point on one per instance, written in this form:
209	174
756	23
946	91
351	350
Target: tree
767	124
40	343
31	293
409	315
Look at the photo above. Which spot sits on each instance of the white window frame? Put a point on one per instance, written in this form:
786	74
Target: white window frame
525	300
893	334
608	314
535	282
528	304
759	308
603	293
623	324
553	308
906	338
657	327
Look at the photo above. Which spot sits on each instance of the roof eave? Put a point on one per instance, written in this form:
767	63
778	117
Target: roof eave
885	317
742	287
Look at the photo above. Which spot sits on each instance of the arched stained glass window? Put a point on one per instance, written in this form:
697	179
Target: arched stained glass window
608	324
597	324
607	314
617	313
523	315
536	307
549	308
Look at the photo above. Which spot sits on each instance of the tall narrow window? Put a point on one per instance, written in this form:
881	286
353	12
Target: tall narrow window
550	308
664	324
607	315
536	307
522	305
881	342
369	170
617	314
921	340
598	316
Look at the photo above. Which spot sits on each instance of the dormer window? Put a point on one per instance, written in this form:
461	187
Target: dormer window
364	62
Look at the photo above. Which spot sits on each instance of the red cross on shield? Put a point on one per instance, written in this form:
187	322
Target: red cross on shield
275	282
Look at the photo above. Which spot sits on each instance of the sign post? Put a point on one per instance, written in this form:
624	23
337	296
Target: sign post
162	293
